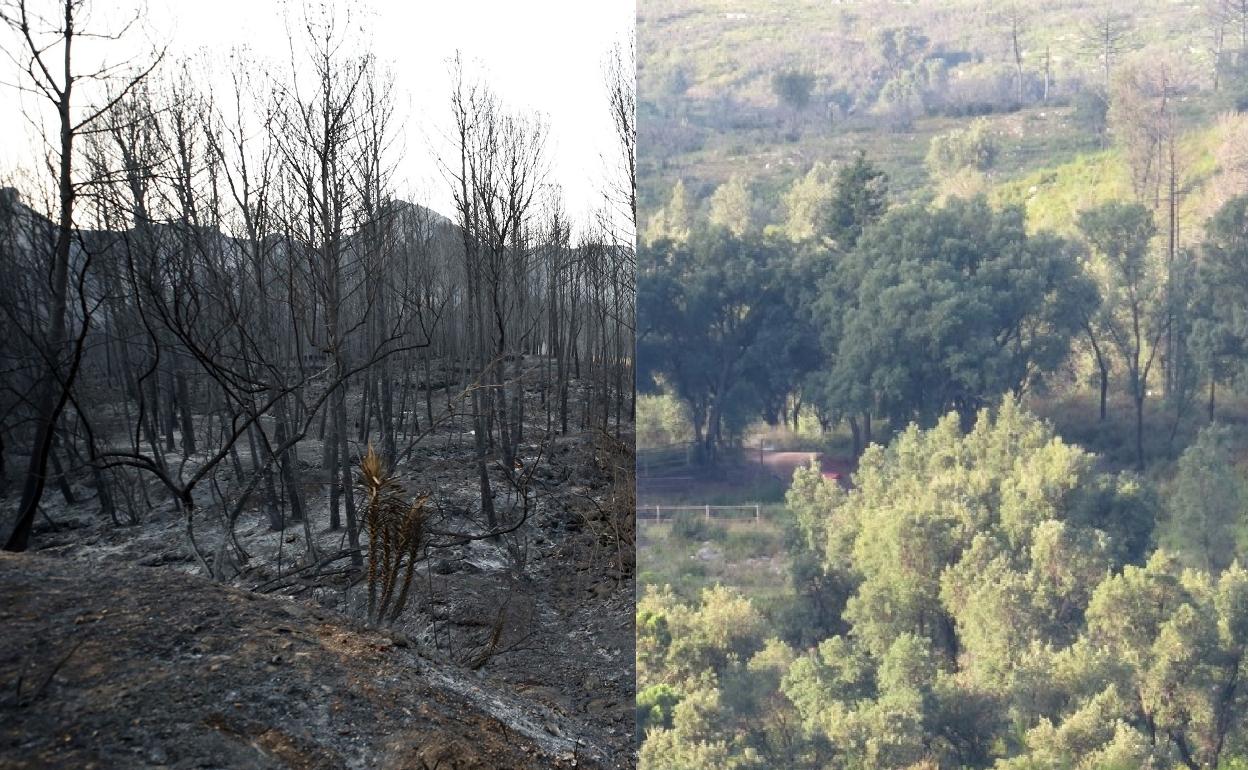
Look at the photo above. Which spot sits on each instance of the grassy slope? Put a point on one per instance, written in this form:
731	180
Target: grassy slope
751	558
1054	194
727	50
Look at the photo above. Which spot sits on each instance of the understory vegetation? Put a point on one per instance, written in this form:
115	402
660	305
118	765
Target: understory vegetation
992	598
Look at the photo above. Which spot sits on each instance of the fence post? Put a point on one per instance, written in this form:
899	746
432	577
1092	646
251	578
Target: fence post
658	516
708	513
758	517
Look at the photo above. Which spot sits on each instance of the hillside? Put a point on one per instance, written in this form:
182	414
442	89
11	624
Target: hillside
710	109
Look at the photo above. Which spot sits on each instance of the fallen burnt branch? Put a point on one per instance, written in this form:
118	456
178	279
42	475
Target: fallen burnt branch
301	573
21	700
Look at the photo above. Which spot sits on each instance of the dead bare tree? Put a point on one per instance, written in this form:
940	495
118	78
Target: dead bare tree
46	59
264	309
621	81
1014	23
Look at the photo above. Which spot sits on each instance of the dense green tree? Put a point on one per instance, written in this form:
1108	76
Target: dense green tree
948	309
961	527
1218	347
787	351
1183	359
970	553
694	741
901	100
722	329
704	308
973	147
899	48
1177	642
696	671
1133	287
1207	504
1220	331
805	204
859	199
732	207
823	574
1002	612
1096	323
655	706
673	222
773	720
792	88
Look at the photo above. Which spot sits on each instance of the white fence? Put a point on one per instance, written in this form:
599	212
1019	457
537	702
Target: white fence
660	513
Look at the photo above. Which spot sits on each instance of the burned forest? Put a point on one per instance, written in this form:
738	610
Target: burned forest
334	447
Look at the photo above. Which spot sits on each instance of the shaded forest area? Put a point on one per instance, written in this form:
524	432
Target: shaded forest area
233	349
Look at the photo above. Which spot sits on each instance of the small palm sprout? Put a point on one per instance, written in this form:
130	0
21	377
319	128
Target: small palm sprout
396	532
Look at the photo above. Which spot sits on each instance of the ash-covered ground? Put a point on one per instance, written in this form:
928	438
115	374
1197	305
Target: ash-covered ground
515	651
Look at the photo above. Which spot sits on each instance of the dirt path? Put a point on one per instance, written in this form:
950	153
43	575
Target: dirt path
782	464
126	666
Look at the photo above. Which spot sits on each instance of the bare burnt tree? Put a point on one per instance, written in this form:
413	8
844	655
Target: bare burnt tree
319	123
621	81
1106	37
45	56
1015	28
499	171
252	305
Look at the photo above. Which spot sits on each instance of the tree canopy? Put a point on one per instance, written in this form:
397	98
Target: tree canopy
948	308
712	311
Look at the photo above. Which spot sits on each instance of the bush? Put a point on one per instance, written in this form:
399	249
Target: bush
742	544
974	147
792	88
1091	111
987	89
900	101
692	525
662	420
654	707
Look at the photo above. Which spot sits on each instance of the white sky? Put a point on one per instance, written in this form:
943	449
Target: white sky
543	55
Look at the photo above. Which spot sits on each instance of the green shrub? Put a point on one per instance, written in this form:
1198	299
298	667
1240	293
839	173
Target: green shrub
747	543
692	525
974	147
654	707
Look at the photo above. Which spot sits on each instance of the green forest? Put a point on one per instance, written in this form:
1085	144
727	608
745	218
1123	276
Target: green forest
997	256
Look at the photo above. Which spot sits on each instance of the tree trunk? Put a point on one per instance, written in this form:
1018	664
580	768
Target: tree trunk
429	392
330	464
1104	391
184	407
168	407
62	480
348	494
51	398
286	462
